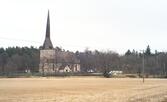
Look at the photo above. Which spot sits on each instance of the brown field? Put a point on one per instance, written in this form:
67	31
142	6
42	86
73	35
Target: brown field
82	89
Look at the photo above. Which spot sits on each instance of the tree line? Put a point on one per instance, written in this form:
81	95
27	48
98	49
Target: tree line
130	63
20	59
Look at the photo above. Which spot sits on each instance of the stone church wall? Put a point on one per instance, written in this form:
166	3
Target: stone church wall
47	54
47	61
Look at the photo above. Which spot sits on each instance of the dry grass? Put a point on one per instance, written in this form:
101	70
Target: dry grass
82	90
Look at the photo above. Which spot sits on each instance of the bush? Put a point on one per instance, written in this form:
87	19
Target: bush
106	74
165	76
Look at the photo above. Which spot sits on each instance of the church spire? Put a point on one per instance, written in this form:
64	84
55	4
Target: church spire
47	43
48	26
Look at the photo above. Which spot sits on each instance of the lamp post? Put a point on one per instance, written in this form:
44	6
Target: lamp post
143	65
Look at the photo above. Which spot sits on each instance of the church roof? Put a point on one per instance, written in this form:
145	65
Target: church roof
47	43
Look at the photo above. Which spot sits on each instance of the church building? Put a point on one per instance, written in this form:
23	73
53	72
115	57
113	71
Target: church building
55	61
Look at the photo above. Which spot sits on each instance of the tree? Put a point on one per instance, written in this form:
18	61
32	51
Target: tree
2	50
148	51
10	67
3	60
128	53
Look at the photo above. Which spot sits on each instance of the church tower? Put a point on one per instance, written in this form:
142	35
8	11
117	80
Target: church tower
47	53
52	61
47	43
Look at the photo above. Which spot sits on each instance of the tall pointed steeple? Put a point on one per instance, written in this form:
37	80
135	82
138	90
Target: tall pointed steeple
48	26
47	43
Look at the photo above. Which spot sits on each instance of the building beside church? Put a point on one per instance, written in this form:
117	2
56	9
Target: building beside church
56	61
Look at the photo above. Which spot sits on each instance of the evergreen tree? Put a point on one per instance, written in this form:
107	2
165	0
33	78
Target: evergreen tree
2	50
128	53
148	51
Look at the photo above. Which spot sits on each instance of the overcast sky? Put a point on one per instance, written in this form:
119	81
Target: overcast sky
116	25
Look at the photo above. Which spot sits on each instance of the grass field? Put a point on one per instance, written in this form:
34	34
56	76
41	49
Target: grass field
82	89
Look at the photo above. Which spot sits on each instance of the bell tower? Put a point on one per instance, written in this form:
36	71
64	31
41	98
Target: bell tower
47	53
